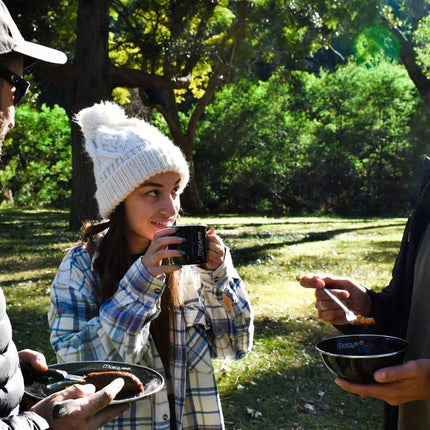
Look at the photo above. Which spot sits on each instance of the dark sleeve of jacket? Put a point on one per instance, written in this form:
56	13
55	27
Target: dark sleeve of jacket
390	307
24	421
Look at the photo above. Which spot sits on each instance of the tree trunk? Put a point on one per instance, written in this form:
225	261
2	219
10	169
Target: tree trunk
190	200
83	205
409	60
91	65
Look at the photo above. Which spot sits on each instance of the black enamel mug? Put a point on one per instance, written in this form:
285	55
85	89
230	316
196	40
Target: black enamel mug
194	246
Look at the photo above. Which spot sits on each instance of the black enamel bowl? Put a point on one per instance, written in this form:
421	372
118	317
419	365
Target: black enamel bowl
357	357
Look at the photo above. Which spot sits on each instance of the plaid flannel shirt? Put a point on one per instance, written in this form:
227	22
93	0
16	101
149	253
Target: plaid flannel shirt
82	329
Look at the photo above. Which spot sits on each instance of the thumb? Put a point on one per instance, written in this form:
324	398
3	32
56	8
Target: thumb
33	358
392	373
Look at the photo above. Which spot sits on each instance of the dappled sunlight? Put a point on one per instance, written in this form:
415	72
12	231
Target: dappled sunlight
30	328
13	272
283	380
281	298
282	383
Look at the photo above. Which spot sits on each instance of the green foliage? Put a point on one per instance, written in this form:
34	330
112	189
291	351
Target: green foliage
243	141
37	158
287	144
376	43
294	31
422	41
345	141
363	121
167	39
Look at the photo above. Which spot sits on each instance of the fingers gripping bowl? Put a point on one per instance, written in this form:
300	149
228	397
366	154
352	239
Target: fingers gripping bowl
357	357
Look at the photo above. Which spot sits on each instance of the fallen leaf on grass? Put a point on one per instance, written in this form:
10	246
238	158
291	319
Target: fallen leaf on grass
253	413
309	407
306	405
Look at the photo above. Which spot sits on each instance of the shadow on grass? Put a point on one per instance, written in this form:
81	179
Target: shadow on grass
31	241
30	330
41	278
250	254
282	384
39	229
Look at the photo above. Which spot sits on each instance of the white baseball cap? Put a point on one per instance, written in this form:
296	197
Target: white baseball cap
11	40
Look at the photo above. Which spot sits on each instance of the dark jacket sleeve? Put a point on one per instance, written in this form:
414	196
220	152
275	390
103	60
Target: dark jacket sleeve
24	421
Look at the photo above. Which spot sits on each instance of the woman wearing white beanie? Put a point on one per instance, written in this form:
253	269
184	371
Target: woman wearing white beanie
115	298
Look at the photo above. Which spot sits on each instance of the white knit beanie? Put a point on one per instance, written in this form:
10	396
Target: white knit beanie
125	152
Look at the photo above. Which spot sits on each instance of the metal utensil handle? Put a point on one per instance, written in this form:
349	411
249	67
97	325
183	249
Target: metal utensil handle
336	299
349	314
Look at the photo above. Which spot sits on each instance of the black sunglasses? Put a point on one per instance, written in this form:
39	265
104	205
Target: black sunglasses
21	85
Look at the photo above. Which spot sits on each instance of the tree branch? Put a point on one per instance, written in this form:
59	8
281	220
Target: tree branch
409	60
132	78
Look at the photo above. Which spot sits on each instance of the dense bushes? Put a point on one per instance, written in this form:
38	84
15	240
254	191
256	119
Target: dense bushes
36	158
348	142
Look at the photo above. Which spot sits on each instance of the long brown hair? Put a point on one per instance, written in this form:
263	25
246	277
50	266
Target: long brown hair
113	261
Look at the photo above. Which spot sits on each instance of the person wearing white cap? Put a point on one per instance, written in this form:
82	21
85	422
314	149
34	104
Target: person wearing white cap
78	407
13	49
118	296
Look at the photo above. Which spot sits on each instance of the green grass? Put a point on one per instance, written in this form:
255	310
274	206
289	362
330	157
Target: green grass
282	383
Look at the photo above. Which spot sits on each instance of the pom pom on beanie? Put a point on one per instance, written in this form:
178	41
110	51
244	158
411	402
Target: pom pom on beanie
125	153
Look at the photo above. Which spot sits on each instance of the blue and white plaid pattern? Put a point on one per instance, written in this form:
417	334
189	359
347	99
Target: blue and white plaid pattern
82	328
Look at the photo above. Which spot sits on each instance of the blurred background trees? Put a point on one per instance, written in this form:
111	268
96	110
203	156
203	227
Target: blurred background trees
345	142
280	107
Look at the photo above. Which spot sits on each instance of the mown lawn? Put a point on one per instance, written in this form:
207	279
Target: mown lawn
282	384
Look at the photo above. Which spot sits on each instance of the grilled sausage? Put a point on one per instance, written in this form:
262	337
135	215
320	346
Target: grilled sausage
132	385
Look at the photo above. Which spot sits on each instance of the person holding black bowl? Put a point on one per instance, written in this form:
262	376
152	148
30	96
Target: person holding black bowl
402	309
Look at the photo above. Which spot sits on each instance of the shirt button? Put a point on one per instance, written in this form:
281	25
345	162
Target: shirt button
216	279
165	417
158	290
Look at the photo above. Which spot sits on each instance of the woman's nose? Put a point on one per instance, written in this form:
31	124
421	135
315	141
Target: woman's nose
169	206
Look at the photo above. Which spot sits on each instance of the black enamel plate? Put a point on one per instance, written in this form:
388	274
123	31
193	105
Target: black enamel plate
152	381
